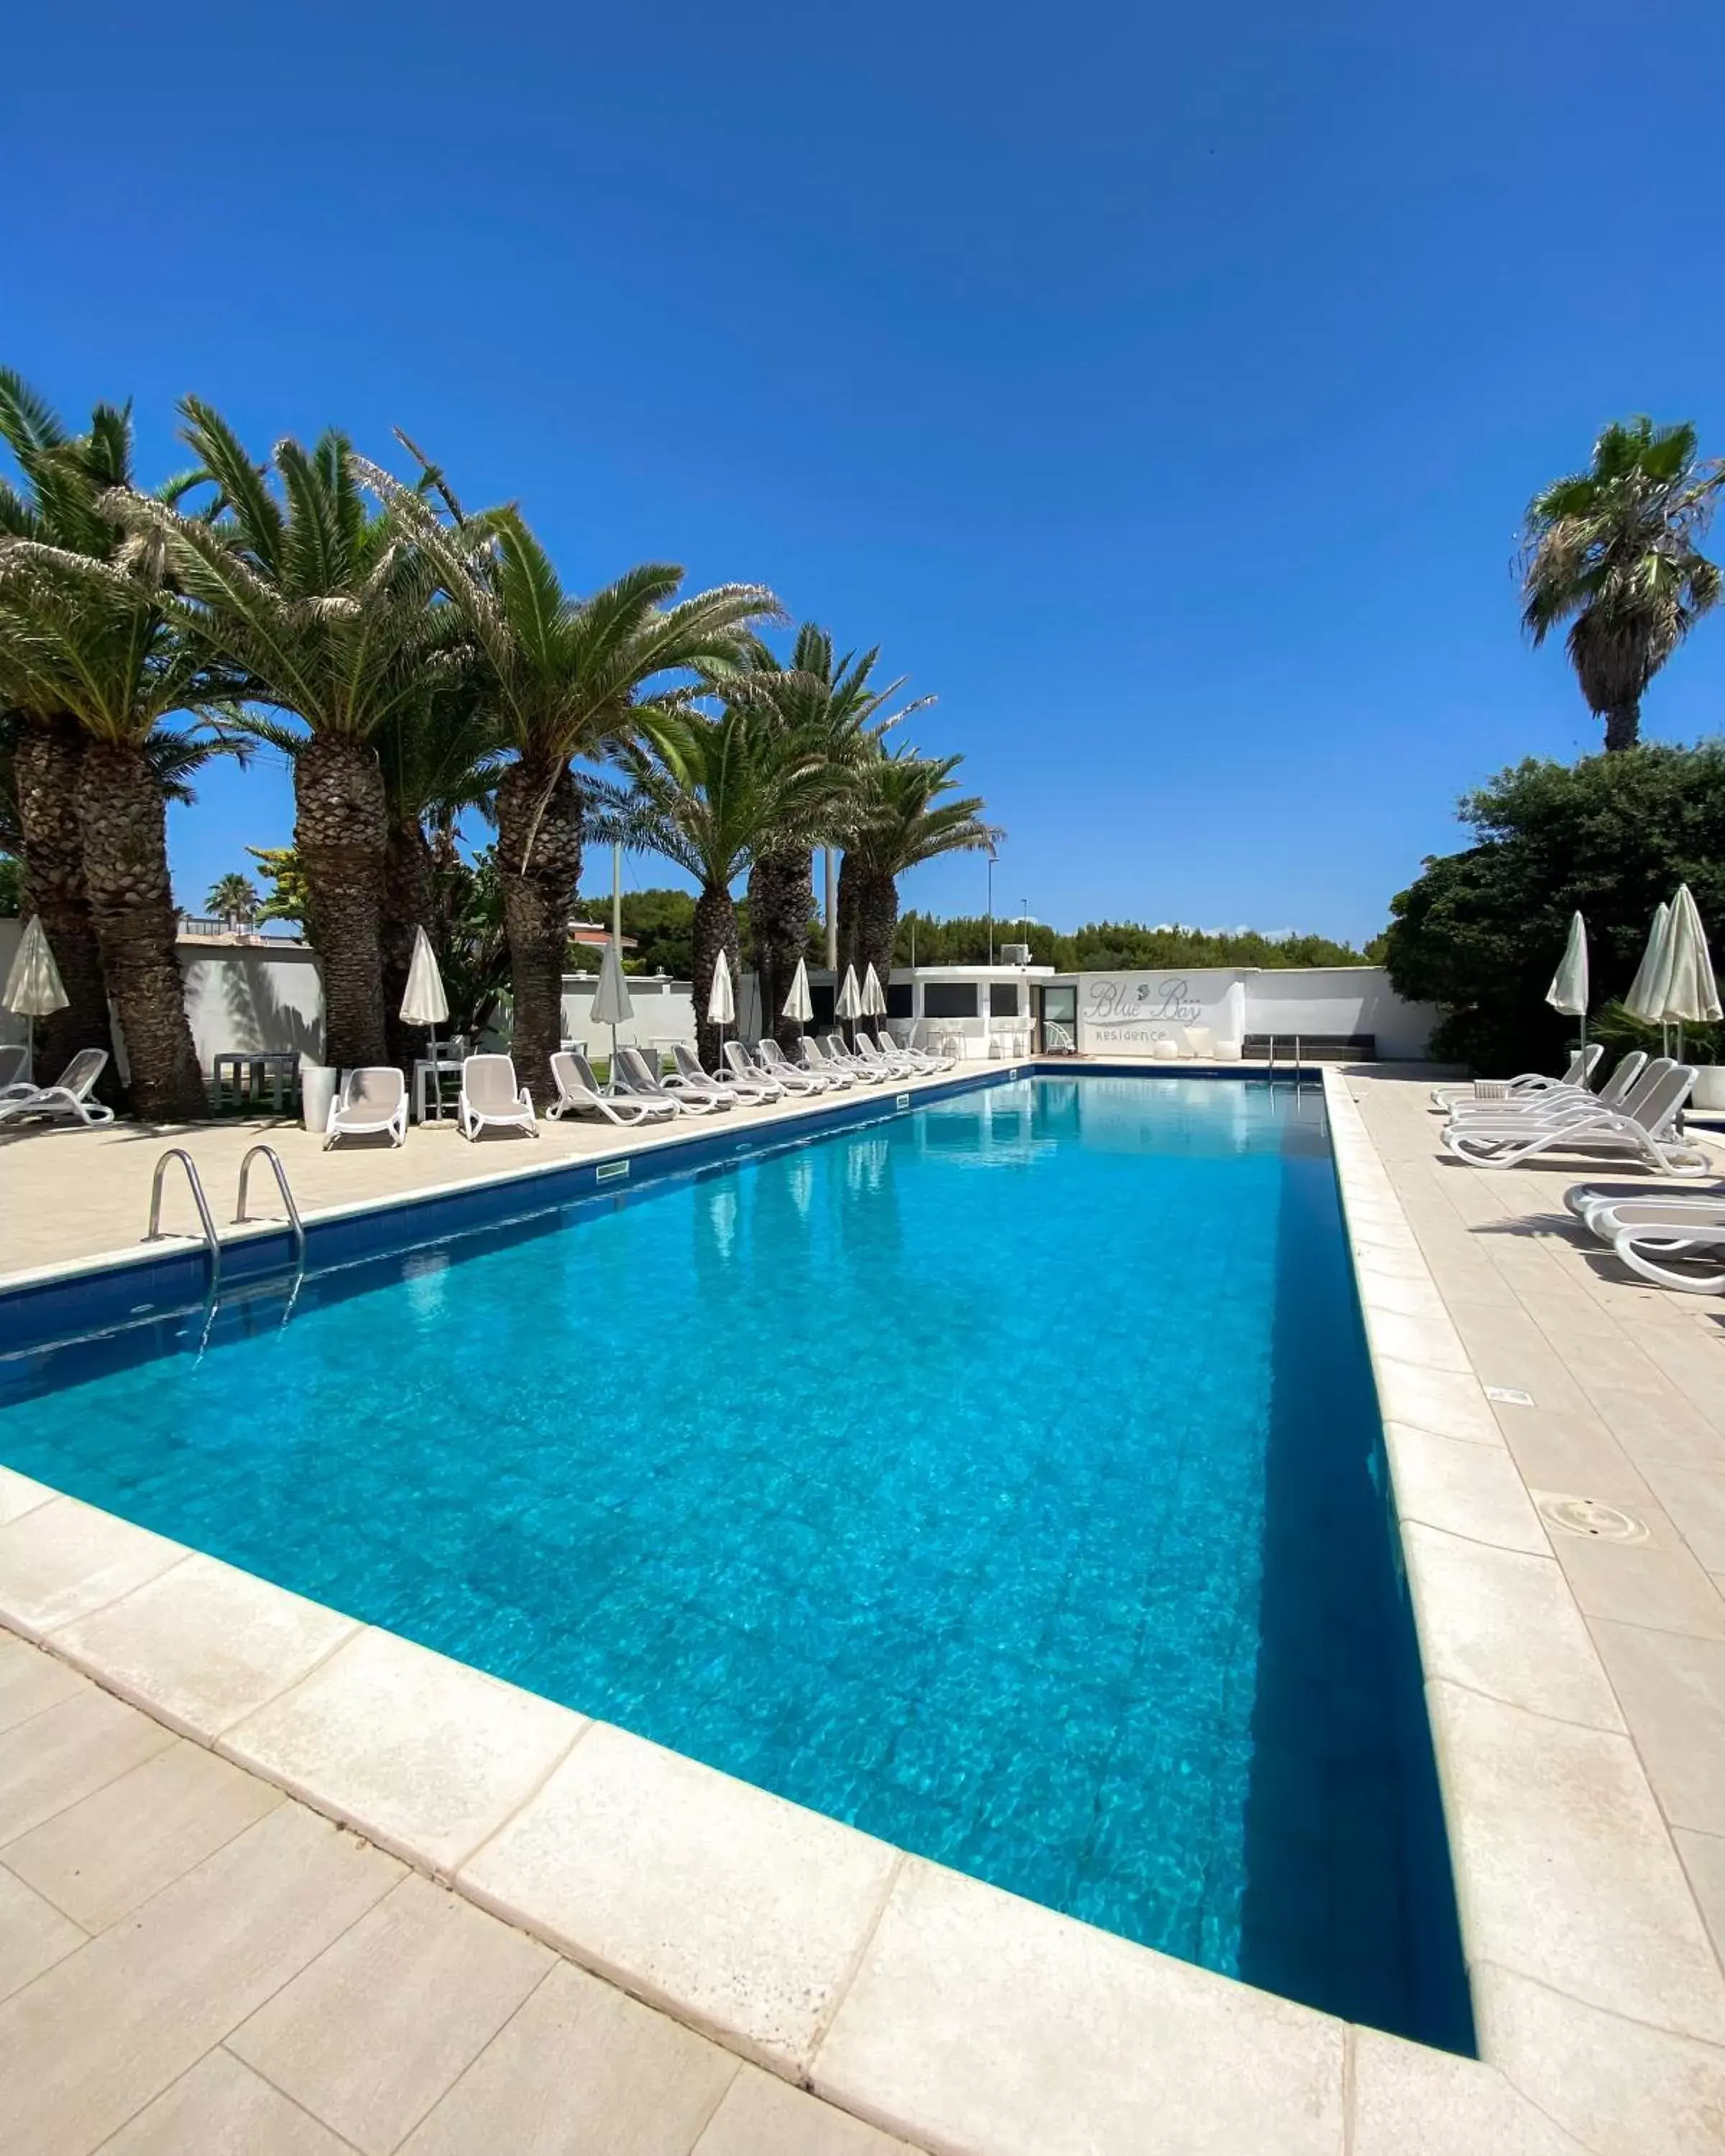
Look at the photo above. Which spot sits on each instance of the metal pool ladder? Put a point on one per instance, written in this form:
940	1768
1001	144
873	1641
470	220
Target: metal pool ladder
240	1214
211	1238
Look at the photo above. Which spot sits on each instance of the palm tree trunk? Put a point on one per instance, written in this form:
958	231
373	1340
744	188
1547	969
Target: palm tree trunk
340	831
1623	728
715	931
124	821
781	903
46	770
850	877
876	926
408	905
539	818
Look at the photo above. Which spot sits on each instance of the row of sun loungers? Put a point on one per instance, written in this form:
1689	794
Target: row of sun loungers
1675	1238
373	1103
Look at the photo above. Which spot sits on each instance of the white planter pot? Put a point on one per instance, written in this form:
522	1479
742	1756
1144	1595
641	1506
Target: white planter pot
1709	1087
317	1088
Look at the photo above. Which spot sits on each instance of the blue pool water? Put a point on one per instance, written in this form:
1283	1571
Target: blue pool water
1004	1478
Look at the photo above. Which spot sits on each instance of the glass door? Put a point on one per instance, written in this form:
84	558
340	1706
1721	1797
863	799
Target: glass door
1058	1029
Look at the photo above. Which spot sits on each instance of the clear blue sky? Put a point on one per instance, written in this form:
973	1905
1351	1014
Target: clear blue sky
1159	386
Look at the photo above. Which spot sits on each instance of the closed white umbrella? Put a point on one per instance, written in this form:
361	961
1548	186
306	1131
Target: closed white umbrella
721	1000
874	996
1568	992
1646	1000
1692	995
34	987
424	1003
849	1004
611	1005
799	1004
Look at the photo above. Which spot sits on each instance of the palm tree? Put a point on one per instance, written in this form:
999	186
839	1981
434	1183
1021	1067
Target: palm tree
712	795
904	823
834	700
95	639
1613	551
561	677
321	609
234	900
60	472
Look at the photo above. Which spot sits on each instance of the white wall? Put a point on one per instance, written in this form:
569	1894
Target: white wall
1126	1014
248	995
664	1011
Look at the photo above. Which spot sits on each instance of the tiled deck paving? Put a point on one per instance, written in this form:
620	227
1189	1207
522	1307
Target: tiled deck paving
191	1963
973	2021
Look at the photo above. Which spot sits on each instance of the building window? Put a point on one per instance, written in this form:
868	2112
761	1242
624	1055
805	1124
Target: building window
1003	999
949	999
898	1000
822	996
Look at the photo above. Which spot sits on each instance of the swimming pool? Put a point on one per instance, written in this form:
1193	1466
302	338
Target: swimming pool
1004	1478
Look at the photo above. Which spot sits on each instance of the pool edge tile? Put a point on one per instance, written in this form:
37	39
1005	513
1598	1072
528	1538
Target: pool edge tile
740	1912
66	1559
980	2021
425	1756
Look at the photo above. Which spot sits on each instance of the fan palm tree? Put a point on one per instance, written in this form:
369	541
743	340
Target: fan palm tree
1614	551
320	609
835	701
561	677
95	639
233	898
62	474
904	821
712	795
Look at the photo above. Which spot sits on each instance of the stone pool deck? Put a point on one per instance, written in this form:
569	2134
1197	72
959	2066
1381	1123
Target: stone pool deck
1575	1700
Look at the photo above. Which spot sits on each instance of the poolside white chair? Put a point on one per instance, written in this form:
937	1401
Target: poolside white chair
874	1058
634	1077
578	1095
1582	1065
1587	1199
840	1058
67	1099
778	1066
1691	1259
745	1077
1643	1129
691	1081
373	1103
491	1094
1615	1093
833	1076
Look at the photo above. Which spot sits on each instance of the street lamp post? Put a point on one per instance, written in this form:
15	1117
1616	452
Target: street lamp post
991	906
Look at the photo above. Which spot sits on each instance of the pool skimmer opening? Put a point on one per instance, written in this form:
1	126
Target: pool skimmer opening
1590	1517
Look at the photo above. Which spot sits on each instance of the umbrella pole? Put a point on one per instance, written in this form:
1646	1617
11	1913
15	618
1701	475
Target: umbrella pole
611	1074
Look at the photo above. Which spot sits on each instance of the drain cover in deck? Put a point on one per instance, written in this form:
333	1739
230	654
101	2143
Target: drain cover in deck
1591	1517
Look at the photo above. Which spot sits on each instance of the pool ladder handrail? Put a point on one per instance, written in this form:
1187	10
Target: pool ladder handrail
212	1239
296	1225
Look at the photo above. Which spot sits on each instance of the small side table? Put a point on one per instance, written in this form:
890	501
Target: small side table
428	1075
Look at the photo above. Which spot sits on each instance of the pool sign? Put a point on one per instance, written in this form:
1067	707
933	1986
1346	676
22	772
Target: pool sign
1124	1013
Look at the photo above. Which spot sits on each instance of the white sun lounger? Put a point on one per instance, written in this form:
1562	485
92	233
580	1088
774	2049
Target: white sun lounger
841	1059
491	1094
1586	1199
833	1076
1675	1252
779	1067
882	1065
1582	1065
68	1099
1615	1093
578	1095
691	1080
1643	1130
634	1077
373	1103
14	1061
745	1076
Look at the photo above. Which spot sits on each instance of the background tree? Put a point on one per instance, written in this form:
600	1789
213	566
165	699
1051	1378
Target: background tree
711	795
904	821
1614	551
233	898
1481	931
560	678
